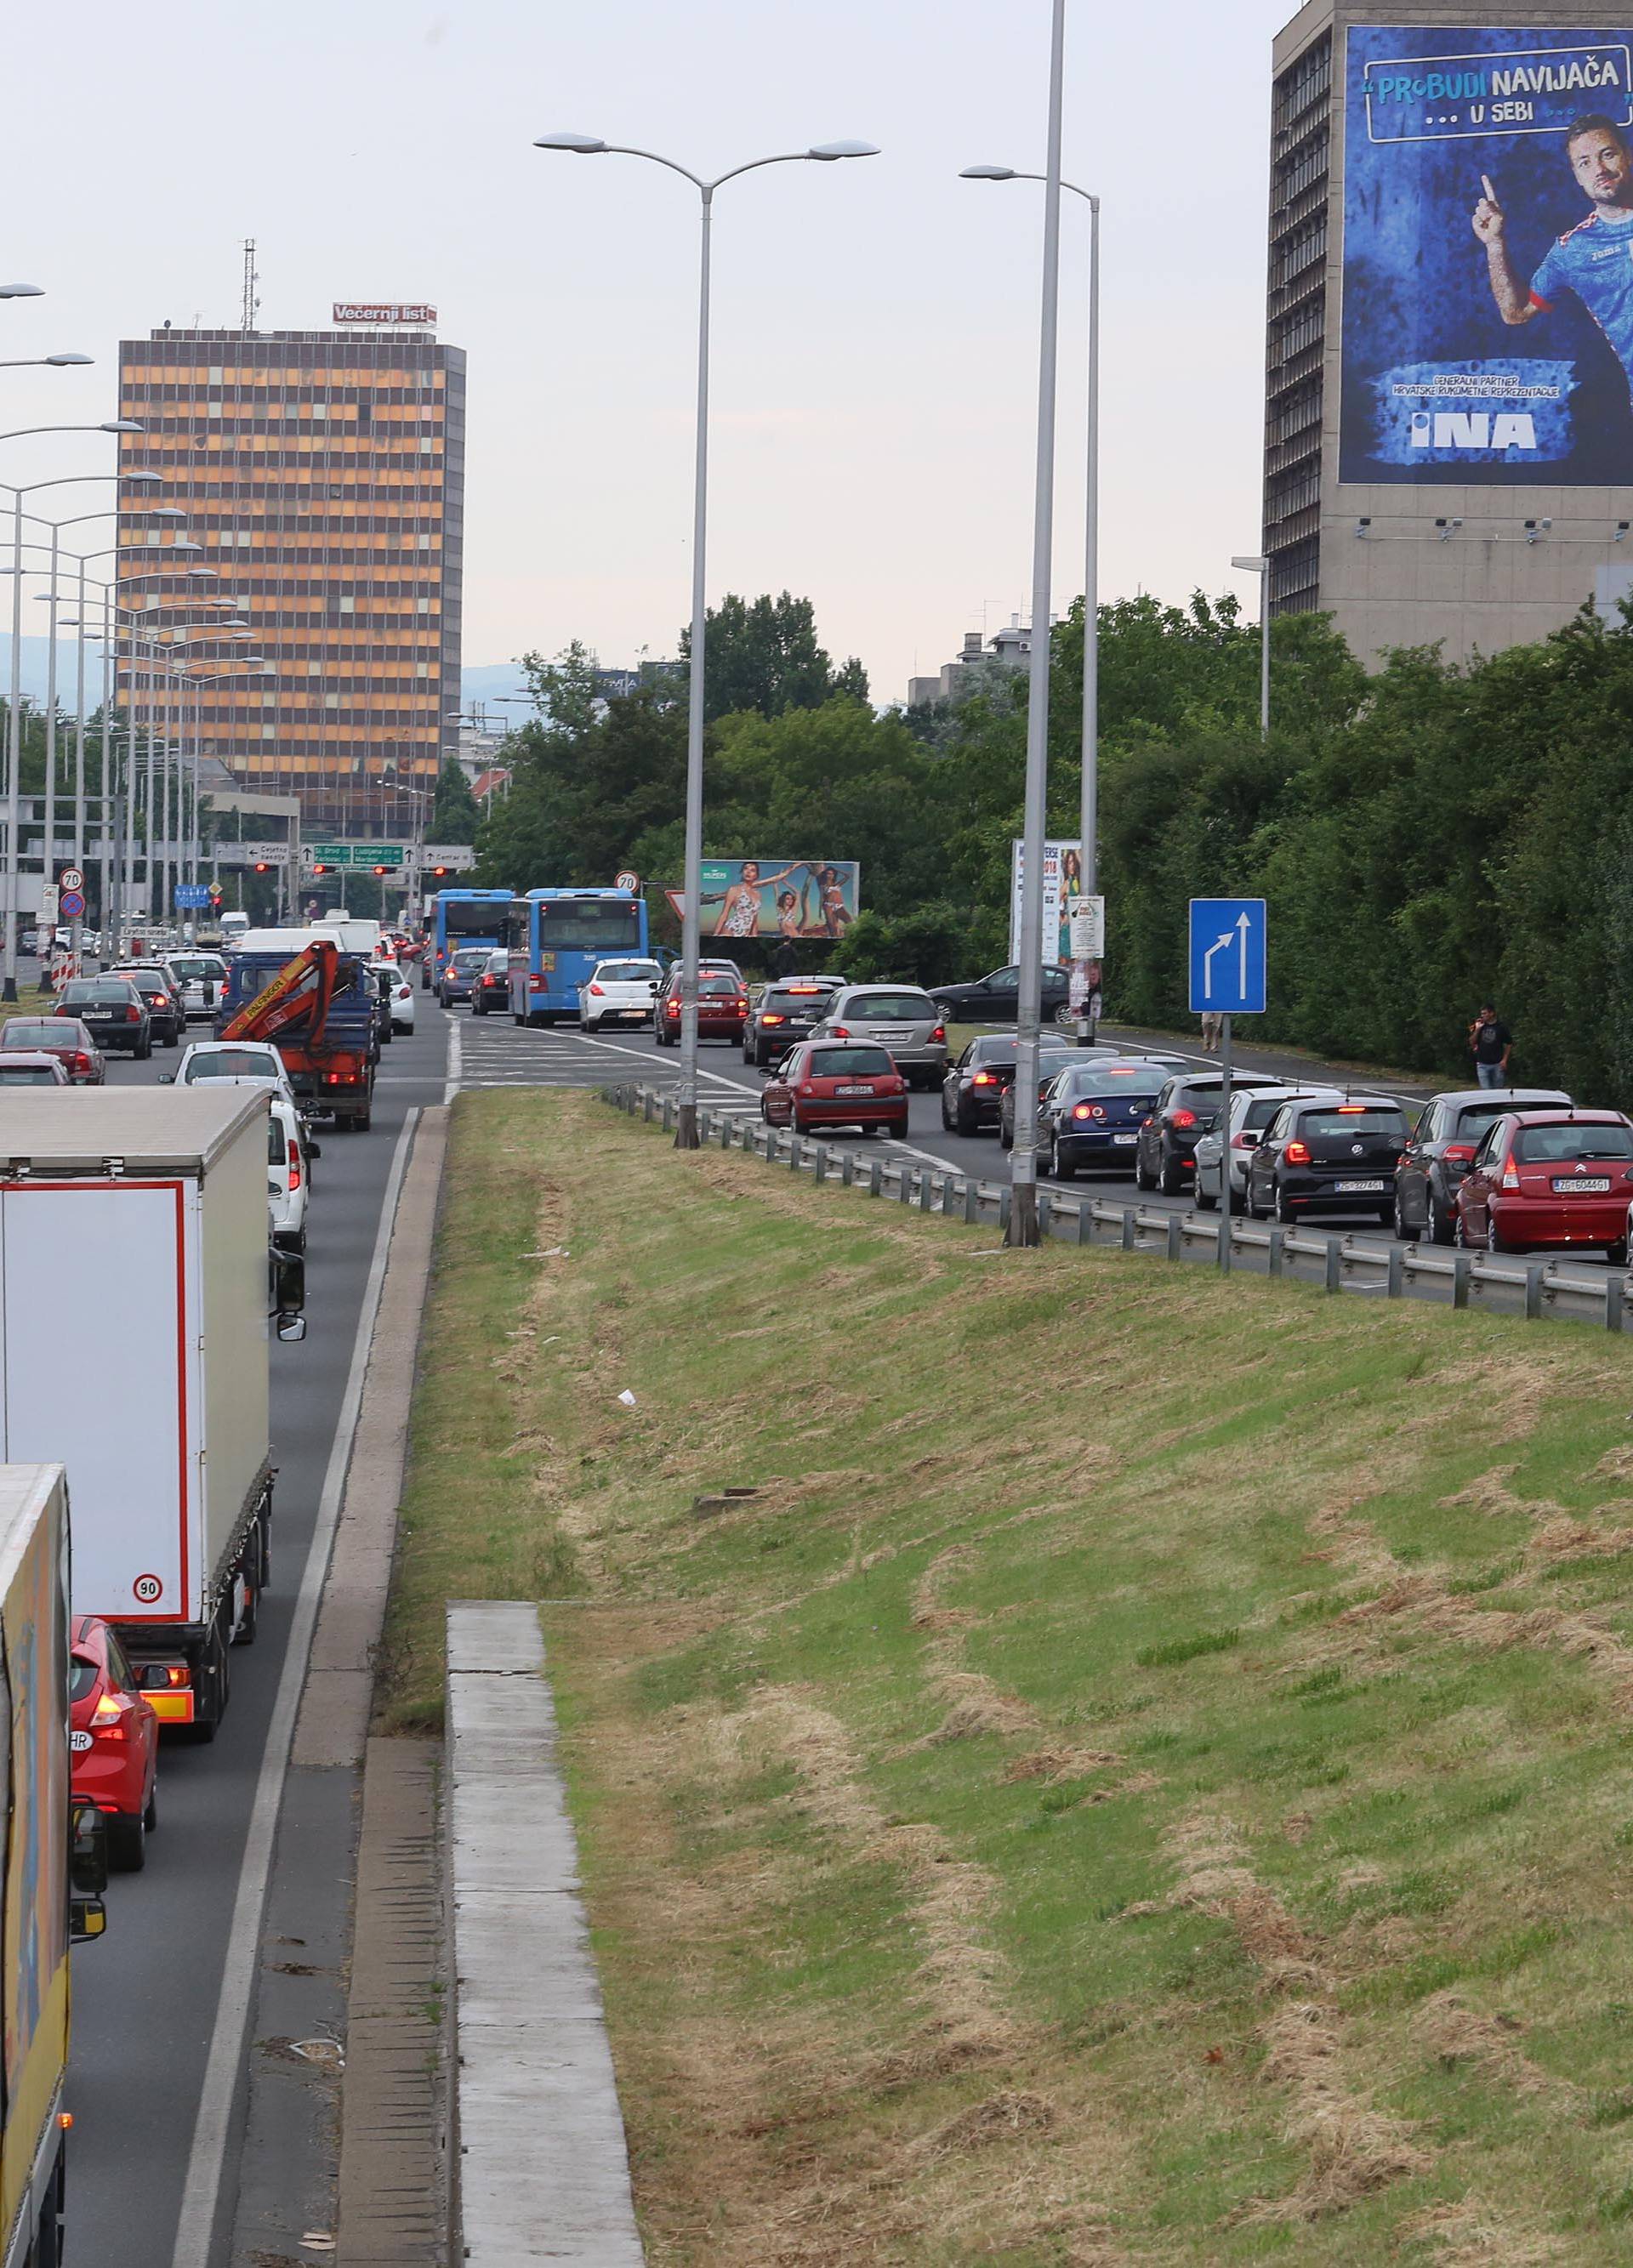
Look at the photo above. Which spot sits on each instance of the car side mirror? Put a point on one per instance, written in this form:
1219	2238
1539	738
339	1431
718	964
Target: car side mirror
166	1078
1249	1140
315	1149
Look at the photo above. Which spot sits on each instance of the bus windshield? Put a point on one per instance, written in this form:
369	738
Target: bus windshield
589	925
474	916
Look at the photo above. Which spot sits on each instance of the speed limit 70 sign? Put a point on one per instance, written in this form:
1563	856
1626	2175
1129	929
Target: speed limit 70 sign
71	878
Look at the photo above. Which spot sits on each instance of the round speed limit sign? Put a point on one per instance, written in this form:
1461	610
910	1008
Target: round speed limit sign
71	878
626	882
148	1589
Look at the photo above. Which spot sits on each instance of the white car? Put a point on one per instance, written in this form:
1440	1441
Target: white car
201	978
619	992
290	1153
231	1063
400	993
1252	1109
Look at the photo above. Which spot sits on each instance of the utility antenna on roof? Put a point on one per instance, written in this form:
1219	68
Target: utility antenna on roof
251	279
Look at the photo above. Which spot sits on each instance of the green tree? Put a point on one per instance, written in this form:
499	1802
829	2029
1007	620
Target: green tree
454	814
763	654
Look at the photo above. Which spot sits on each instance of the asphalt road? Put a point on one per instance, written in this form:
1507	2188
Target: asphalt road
145	1996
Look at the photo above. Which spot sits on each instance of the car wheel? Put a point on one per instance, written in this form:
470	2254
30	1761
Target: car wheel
127	1843
795	1123
1284	1209
965	1121
1616	1253
149	1818
1238	1202
1206	1201
1459	1234
1171	1179
1060	1169
1436	1228
1006	1136
947	1119
1066	1016
1397	1221
1143	1180
144	1049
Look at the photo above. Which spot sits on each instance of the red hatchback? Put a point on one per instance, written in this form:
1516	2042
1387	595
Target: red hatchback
1549	1177
722	1007
836	1083
113	1736
65	1037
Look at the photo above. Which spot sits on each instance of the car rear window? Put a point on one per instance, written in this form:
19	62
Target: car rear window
1332	1125
1141	1080
627	972
471	956
275	1142
26	1032
893	1007
195	967
992	1050
231	1063
837	1063
94	991
1472	1123
796	1002
718	985
81	1676
1550	1144
28	1075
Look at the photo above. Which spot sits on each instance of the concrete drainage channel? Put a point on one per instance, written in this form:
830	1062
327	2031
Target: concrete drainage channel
1532	1288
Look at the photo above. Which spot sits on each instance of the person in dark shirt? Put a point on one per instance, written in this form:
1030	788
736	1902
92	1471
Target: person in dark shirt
1489	1043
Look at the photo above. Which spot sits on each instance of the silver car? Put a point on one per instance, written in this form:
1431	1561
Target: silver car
1252	1109
901	1018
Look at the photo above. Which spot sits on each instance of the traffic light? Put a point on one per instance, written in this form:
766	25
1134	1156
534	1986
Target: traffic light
263	866
439	872
215	897
382	870
321	870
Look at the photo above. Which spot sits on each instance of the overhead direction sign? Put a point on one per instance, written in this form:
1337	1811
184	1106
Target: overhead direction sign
1228	957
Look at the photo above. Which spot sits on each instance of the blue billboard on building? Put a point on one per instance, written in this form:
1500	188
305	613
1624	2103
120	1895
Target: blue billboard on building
1487	260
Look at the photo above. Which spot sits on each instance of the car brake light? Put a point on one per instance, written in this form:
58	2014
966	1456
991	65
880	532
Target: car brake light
598	989
774	1019
1297	1153
82	1062
1183	1118
939	1033
1510	1178
1087	1110
108	1718
1352	1110
984	1078
838	1033
805	1087
132	1015
1463	1151
294	1165
674	1008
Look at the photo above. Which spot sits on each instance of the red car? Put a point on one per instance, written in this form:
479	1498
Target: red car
722	1007
113	1736
1549	1177
65	1037
836	1083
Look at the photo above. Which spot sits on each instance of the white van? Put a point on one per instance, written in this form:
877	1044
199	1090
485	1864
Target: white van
352	933
233	927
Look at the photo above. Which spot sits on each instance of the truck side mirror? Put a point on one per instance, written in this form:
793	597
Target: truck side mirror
87	1858
289	1284
292	1328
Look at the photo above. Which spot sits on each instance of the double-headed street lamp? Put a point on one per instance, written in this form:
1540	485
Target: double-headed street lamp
823	153
1255	564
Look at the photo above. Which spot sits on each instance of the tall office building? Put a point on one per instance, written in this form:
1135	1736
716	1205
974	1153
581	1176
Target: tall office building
1448	433
320	476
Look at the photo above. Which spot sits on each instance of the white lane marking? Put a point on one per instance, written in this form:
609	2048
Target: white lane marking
451	1085
644	1055
206	2161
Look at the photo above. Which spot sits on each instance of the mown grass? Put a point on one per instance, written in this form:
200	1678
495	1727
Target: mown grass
1146	1777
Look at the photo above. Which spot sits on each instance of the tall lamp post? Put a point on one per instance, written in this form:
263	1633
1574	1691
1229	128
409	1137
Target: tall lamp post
1088	825
1254	563
585	145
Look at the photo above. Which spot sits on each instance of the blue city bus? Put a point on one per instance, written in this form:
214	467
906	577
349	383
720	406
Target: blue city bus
465	918
558	936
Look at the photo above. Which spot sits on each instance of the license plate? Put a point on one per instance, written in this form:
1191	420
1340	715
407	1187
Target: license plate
1577	1187
853	1090
1125	1141
79	1743
1351	1188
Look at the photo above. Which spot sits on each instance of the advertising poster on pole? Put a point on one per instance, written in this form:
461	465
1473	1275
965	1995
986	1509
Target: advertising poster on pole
1062	885
1487	255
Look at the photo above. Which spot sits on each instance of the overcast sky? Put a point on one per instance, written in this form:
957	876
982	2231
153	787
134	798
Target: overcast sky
876	323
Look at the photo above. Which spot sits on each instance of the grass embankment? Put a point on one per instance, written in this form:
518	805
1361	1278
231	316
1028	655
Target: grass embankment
1146	1778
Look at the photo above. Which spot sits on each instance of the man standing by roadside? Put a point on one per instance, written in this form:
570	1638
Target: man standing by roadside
1489	1043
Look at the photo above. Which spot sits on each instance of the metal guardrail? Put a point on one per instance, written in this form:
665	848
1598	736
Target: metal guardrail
1340	1262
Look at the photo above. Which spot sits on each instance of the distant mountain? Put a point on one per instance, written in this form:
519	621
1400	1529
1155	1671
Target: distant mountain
484	685
489	682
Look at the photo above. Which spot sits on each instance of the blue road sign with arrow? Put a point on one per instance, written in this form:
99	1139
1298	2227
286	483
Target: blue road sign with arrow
1227	956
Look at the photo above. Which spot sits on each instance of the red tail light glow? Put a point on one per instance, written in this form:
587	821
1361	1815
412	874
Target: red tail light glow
108	1718
1087	1110
1510	1176
774	1019
673	1007
294	1164
82	1062
939	1033
1297	1153
598	989
838	1033
1182	1118
984	1078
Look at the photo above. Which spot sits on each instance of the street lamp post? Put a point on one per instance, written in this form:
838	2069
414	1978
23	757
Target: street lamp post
1087	826
1254	563
1024	1224
585	145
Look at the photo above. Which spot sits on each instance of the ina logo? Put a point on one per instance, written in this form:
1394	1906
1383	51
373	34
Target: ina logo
1478	429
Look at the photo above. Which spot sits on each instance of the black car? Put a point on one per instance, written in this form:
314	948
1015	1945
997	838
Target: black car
1053	1054
1441	1148
379	992
113	1011
1328	1157
1092	1110
788	1011
974	1089
993	998
166	1011
1188	1105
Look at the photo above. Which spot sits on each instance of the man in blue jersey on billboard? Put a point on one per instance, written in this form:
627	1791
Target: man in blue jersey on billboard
1594	259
